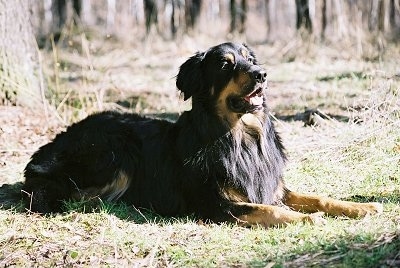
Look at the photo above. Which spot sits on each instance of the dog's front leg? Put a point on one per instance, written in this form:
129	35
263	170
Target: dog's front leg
314	203
249	214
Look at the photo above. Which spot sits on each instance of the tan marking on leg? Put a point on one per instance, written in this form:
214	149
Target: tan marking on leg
116	188
110	192
267	215
234	195
314	203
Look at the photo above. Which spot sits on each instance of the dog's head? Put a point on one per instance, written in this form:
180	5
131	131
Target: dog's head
226	80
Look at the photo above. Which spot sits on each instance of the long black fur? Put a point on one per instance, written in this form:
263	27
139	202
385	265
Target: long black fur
172	168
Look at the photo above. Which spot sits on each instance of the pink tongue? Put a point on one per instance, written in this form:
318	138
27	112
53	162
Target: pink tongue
254	99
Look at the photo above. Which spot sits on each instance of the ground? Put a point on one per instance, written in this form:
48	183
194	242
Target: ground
339	117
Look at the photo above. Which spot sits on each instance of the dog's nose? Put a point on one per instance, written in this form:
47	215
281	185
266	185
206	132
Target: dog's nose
259	75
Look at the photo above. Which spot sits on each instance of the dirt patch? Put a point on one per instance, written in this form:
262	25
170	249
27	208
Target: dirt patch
22	131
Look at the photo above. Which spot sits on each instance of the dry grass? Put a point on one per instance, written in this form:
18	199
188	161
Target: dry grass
352	154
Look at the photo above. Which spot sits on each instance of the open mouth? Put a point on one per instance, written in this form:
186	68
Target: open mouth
255	98
250	103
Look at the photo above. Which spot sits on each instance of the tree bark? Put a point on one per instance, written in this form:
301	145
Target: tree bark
303	15
243	16
323	20
151	14
381	16
192	12
268	18
19	57
233	12
236	12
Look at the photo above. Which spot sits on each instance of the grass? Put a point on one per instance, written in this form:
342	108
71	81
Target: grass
356	158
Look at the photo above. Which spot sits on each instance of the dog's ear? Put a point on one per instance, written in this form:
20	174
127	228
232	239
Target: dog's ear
190	77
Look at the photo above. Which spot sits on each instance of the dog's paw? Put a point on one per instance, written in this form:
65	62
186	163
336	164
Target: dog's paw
316	218
360	210
370	209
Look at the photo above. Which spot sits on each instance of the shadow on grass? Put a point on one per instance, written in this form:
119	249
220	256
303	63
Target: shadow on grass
119	209
11	198
393	197
347	251
312	117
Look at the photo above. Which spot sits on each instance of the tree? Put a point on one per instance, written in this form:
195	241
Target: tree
303	15
192	12
60	16
240	12
150	12
394	7
19	65
323	19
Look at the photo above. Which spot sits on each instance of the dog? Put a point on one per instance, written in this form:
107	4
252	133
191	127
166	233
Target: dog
221	161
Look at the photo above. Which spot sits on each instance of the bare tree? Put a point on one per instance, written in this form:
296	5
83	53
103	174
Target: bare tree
323	19
238	11
381	15
192	12
151	14
394	11
60	14
19	67
268	17
303	15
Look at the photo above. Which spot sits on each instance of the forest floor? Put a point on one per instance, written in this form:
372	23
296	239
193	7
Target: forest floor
339	116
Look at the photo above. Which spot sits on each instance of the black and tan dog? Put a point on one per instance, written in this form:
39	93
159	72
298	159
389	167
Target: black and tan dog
222	161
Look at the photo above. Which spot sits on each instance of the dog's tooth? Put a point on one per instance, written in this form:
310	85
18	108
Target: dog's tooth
256	101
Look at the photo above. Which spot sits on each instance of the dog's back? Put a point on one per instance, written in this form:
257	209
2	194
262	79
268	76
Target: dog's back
101	156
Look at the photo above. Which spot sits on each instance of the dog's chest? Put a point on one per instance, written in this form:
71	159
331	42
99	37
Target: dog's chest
254	166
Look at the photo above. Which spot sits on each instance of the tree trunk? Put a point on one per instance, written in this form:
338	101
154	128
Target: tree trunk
243	14
394	7
59	10
233	11
303	15
236	12
151	14
381	16
192	12
268	18
323	20
19	65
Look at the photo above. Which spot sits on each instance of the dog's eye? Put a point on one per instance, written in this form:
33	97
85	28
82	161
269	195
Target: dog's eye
251	60
226	65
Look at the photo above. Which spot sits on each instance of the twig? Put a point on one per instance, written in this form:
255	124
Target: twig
30	201
141	214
